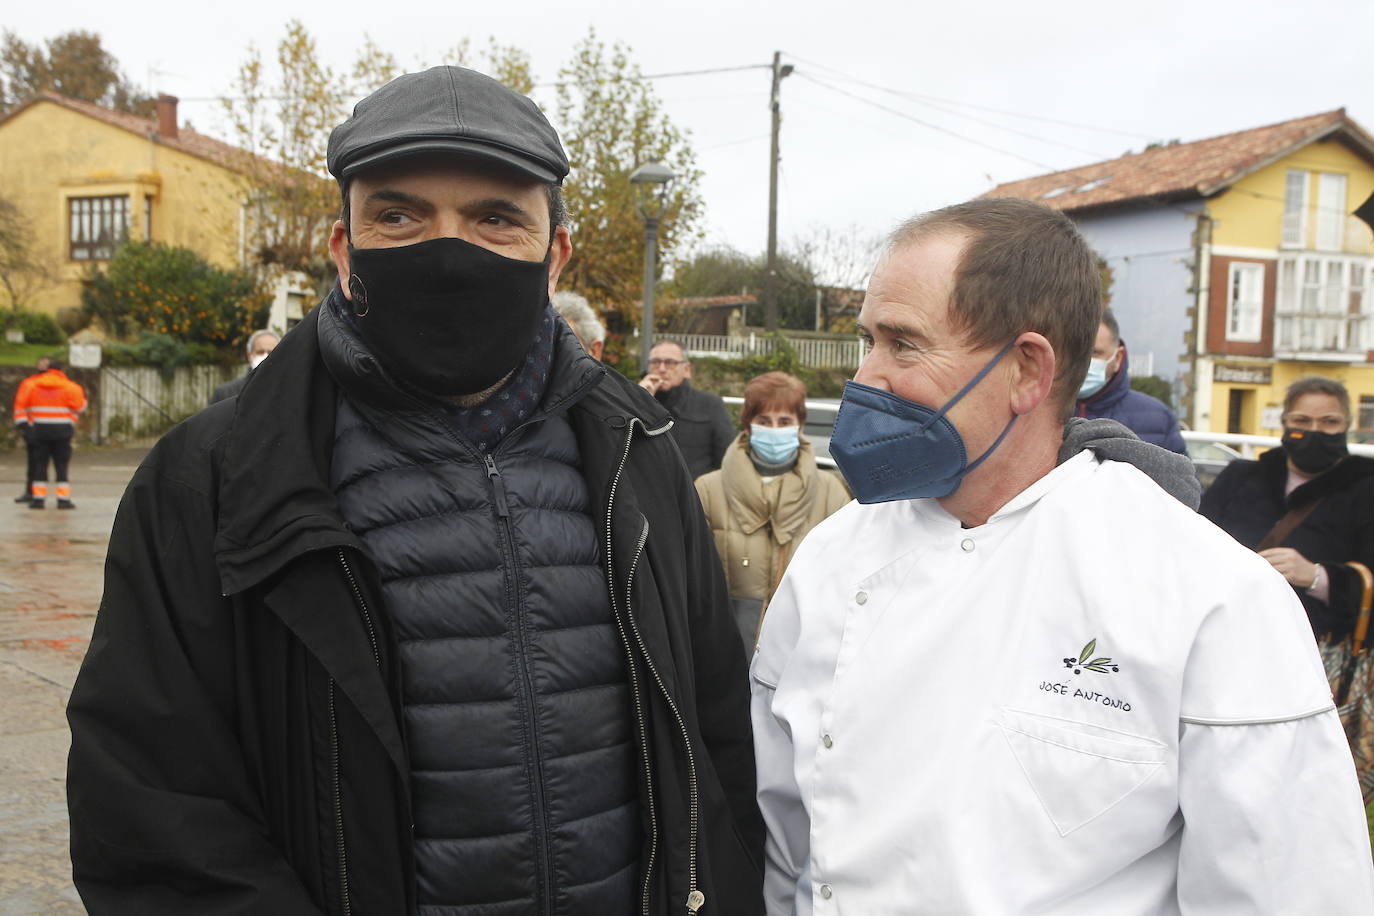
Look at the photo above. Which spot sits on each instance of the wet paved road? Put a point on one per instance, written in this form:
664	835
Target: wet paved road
50	581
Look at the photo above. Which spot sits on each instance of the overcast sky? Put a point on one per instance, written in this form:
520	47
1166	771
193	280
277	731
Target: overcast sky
1128	73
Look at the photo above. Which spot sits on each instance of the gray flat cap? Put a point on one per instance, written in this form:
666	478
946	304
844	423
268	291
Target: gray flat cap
447	110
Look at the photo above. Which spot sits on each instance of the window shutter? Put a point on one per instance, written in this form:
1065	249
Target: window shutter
1245	305
1330	212
1295	208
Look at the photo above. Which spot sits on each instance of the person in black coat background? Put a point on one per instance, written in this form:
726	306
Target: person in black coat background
260	343
1312	471
702	427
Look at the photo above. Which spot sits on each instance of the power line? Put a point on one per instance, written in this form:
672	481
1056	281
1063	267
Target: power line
1148	254
931	98
1076	173
735	96
886	128
675	73
549	85
1069	172
926	124
1262	196
1013	130
704	149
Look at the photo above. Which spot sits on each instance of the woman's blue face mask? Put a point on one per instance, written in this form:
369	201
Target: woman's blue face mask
774	444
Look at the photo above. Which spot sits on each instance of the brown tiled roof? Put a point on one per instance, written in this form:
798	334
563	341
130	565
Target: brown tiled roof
186	141
1183	170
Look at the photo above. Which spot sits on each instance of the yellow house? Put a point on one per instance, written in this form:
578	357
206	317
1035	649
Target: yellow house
84	177
1239	263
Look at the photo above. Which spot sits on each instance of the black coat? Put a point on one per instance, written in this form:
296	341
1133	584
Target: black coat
236	732
701	426
1247	501
229	389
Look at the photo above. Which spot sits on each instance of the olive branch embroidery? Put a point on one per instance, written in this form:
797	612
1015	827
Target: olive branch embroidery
1102	665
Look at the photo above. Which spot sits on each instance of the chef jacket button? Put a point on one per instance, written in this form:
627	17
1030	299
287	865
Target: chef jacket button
967	544
826	892
826	740
861	597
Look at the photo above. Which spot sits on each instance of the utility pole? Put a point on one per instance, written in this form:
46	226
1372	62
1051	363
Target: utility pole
770	277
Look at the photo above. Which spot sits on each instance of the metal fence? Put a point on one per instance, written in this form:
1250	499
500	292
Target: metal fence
817	353
1249	446
137	404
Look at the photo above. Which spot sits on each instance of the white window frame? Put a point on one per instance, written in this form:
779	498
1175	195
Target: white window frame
96	226
1244	319
1294	232
1324	322
1331	191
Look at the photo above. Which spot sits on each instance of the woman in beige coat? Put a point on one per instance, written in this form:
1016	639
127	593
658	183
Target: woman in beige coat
766	496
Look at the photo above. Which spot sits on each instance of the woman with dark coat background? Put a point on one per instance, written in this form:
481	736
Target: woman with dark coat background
1310	473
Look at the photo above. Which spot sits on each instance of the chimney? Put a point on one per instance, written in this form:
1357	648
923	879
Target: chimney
167	116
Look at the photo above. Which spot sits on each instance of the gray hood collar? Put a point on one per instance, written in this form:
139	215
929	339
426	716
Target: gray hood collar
1111	441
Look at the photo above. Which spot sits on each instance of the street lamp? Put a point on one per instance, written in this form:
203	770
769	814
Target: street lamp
651	182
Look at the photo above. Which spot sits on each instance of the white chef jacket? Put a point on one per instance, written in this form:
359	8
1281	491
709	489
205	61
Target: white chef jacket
1095	702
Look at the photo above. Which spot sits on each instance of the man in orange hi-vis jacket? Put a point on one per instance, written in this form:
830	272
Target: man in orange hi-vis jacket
50	404
21	423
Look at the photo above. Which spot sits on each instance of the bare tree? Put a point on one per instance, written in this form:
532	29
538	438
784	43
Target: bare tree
612	121
841	261
24	273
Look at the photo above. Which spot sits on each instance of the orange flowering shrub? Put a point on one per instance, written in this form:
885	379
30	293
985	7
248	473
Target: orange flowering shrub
151	287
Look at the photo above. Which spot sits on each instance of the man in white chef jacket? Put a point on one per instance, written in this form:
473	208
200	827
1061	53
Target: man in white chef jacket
998	683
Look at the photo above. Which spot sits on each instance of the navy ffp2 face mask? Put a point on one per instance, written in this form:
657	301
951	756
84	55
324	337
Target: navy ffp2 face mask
889	448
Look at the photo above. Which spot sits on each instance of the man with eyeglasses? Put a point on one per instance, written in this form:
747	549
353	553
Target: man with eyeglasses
701	424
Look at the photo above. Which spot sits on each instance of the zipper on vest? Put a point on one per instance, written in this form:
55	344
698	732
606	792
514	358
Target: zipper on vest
522	641
498	485
695	898
340	845
338	805
362	608
635	693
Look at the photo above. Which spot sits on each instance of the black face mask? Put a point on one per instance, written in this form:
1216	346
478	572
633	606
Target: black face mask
447	316
1313	452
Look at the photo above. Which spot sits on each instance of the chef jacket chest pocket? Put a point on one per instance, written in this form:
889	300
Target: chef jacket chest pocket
1076	770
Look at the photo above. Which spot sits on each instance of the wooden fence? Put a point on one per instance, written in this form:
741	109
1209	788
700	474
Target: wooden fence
817	353
137	404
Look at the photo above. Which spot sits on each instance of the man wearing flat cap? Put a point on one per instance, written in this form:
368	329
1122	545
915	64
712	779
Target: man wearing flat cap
437	627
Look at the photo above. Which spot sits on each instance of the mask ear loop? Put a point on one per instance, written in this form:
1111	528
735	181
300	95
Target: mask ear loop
969	469
969	387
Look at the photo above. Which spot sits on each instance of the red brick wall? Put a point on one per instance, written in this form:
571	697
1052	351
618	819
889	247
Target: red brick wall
1216	309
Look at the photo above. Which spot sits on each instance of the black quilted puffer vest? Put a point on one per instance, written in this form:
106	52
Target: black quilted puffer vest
516	697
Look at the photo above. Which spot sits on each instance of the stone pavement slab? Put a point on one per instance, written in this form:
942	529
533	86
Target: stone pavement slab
51	566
